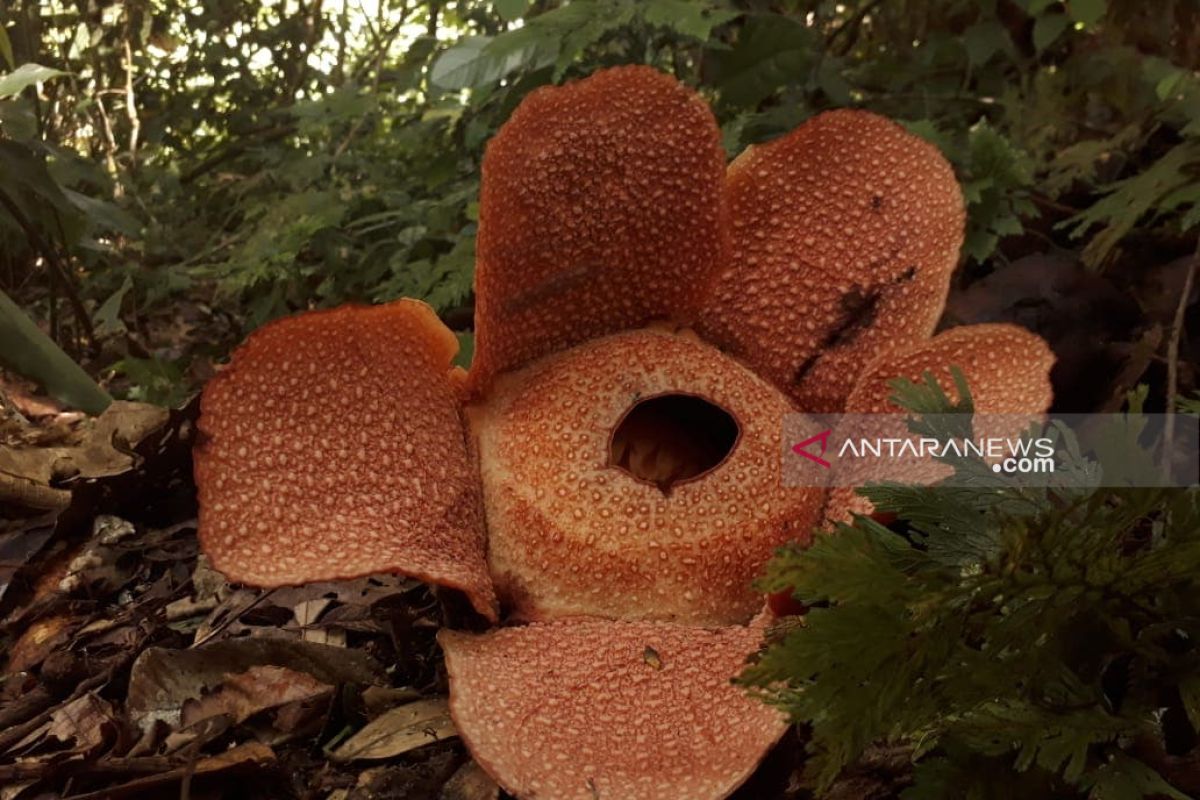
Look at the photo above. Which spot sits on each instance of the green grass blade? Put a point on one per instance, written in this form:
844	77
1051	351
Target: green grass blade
27	351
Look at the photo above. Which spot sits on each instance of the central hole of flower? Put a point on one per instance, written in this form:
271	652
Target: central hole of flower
672	438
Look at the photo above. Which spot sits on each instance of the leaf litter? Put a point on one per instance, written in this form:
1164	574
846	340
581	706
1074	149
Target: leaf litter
132	669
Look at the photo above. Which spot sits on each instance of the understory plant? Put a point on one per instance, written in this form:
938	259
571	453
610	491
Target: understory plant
1018	642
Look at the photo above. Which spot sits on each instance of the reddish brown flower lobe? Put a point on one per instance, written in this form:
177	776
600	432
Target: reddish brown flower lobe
630	710
845	233
601	209
334	448
1007	370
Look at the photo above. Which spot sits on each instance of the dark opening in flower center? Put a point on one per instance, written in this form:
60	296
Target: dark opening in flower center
672	438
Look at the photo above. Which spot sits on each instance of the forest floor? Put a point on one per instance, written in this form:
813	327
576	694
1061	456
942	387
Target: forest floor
130	668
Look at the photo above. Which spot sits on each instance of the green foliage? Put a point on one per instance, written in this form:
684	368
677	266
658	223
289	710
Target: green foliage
996	181
24	76
1169	185
27	351
1023	642
559	37
248	160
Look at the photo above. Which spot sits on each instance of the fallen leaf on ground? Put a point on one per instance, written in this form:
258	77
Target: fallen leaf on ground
163	680
21	540
96	565
470	782
37	641
257	689
83	725
378	699
415	778
302	609
105	448
400	730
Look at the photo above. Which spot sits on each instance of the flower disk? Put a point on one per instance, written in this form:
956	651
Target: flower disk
570	534
629	710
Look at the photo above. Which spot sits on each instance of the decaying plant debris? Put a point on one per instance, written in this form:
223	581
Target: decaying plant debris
132	669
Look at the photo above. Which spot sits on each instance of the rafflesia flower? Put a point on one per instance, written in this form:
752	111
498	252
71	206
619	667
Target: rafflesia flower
607	477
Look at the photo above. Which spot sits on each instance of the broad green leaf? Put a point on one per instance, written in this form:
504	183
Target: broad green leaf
1035	7
771	52
598	22
108	316
1126	201
6	51
27	351
1089	12
832	82
983	40
104	215
21	169
1189	687
1125	778
26	75
1169	84
18	119
510	10
465	65
466	349
686	17
1047	29
480	61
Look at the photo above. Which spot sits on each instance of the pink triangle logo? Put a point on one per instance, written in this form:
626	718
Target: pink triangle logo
801	448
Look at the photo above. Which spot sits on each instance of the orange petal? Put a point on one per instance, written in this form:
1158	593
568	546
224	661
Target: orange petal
630	710
334	448
845	233
601	209
572	533
1007	370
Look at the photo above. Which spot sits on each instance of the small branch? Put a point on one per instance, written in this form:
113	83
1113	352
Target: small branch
237	148
851	25
110	145
383	47
135	124
431	28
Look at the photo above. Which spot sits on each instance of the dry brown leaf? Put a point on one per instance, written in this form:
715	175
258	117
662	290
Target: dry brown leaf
163	680
83	725
470	782
37	641
14	790
96	567
105	449
400	730
378	699
300	609
20	541
257	689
